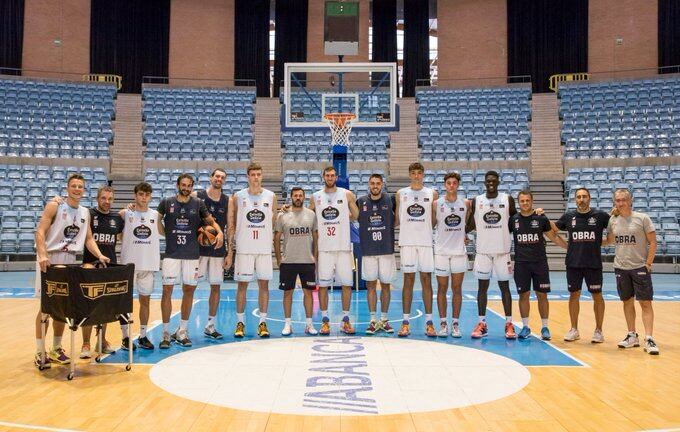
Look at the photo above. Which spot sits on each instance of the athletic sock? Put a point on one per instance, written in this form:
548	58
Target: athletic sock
373	316
142	331
405	317
309	322
183	324
240	317
40	345
649	337
263	317
57	342
544	322
428	318
525	322
288	322
211	320
124	328
442	320
482	318
345	314
324	314
454	321
383	316
166	327
508	319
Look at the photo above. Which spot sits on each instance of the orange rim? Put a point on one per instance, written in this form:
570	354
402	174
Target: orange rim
339	119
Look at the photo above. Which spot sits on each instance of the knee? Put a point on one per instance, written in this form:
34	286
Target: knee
645	305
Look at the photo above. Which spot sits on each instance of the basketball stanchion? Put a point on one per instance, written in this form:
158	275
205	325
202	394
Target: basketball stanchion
81	296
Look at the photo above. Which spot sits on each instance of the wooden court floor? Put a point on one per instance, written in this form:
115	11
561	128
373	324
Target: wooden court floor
620	391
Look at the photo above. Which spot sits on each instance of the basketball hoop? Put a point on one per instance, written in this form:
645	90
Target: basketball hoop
341	126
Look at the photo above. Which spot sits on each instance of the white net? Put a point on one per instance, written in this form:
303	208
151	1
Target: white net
341	126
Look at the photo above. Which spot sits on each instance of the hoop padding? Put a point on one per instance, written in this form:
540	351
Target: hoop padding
341	126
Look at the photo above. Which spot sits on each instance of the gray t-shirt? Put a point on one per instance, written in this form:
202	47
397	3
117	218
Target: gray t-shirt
296	228
630	234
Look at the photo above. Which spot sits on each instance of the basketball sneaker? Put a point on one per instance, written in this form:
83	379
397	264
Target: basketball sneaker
240	330
371	329
325	327
387	328
39	364
181	337
165	342
287	330
310	330
631	340
480	330
545	333
210	332
510	331
650	347
145	343
572	335
443	330
598	337
125	344
106	348
524	333
85	352
455	330
262	330
404	331
346	327
429	329
58	356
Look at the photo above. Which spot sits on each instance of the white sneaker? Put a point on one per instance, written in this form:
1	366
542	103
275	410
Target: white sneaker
598	337
650	347
310	330
631	340
455	330
572	335
85	352
443	330
287	330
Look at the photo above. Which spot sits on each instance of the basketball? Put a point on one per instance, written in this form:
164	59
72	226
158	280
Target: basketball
88	266
207	236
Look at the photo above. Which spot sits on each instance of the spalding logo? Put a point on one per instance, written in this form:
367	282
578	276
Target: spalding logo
492	217
452	220
71	231
142	232
416	210
330	213
255	216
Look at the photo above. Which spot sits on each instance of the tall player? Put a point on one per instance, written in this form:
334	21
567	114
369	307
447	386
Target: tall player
141	247
335	207
376	232
252	214
491	212
584	260
63	231
211	262
450	254
531	261
180	218
415	215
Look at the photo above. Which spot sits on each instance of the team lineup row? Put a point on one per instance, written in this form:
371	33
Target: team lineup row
313	244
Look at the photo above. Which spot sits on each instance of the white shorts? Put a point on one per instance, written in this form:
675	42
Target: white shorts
55	258
177	271
417	259
144	282
378	267
248	267
445	265
498	266
335	266
212	267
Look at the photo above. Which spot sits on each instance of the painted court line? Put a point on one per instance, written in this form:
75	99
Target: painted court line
256	313
35	427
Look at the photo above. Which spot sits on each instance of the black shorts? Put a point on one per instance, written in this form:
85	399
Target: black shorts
636	281
592	276
536	272
288	274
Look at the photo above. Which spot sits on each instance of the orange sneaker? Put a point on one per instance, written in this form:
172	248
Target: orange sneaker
325	327
404	331
510	331
480	330
346	327
429	330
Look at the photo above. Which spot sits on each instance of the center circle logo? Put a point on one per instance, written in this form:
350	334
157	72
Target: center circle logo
71	231
255	216
415	210
376	219
492	217
142	232
452	220
340	376
330	213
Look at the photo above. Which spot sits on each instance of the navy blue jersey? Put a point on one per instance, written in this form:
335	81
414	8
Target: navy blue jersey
376	225
527	232
585	237
105	230
181	221
218	210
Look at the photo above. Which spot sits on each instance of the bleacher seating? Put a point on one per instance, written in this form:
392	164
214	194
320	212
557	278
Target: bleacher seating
637	118
315	145
24	190
474	124
54	119
655	189
198	124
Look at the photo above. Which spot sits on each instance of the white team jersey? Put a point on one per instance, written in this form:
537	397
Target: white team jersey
415	217
492	216
332	220
68	230
141	240
254	222
450	231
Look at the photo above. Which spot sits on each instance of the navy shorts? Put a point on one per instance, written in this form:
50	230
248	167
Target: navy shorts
528	272
592	276
636	281
288	274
